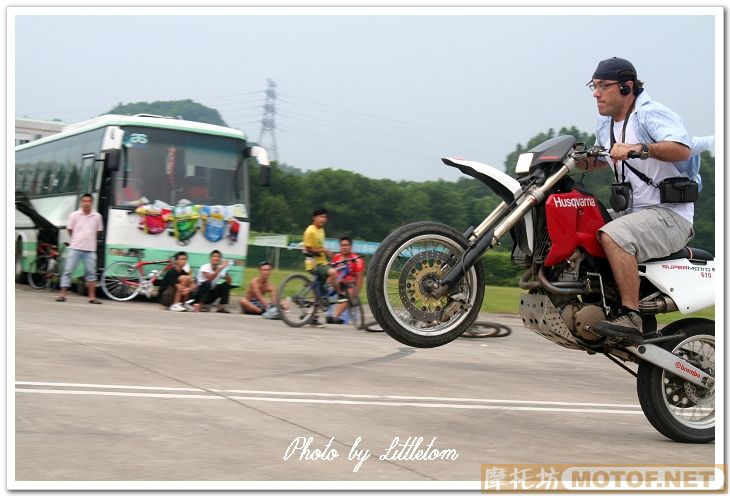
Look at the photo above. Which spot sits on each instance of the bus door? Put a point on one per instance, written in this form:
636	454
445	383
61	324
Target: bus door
91	172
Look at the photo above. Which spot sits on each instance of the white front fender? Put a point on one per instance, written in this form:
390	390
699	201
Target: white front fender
506	187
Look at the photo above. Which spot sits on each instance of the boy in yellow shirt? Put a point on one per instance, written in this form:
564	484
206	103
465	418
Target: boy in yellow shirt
316	256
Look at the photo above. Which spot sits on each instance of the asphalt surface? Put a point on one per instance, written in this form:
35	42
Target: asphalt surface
131	392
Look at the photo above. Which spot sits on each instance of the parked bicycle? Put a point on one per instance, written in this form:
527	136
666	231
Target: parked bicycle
122	281
302	298
45	271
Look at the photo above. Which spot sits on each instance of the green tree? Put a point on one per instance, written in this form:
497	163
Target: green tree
186	109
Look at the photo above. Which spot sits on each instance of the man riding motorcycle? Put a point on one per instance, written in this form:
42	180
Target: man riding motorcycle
632	124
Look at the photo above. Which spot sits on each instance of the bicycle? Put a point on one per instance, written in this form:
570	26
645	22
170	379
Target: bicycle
122	281
45	271
302	297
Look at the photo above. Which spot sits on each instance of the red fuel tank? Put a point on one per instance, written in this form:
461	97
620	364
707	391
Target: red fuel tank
572	221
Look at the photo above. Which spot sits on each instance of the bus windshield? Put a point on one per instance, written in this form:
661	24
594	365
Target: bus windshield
162	165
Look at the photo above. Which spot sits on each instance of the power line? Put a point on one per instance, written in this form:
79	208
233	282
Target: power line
375	117
382	135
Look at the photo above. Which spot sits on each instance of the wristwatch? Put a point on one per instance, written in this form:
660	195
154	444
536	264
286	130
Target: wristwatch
644	151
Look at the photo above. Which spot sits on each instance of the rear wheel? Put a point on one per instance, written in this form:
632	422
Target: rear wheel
297	300
39	276
406	263
121	281
678	409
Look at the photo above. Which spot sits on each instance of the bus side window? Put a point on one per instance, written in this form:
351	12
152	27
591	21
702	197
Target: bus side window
87	173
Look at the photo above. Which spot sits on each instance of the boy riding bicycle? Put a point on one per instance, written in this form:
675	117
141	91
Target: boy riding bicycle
316	256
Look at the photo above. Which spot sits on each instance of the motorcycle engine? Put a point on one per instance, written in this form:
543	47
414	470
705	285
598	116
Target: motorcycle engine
569	270
577	316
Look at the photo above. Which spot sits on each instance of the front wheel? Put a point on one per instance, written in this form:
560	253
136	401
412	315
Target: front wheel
678	409
297	300
356	313
121	281
403	266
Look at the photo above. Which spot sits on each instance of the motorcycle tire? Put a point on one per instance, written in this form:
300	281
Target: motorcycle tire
676	408
404	261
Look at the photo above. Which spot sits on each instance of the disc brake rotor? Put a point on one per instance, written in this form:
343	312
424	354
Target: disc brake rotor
699	396
423	268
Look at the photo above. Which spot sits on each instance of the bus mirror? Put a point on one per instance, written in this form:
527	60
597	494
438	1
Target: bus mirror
266	175
111	159
259	153
113	139
262	157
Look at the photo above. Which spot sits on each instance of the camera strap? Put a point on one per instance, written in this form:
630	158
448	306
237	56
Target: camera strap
624	164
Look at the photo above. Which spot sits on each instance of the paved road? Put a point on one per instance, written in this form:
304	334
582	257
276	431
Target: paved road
130	392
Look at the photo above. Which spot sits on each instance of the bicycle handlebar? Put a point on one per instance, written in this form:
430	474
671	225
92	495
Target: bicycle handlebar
343	262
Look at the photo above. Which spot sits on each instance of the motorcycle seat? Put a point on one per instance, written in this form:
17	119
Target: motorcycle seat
688	253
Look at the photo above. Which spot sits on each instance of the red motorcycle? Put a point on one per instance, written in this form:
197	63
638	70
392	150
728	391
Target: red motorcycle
425	285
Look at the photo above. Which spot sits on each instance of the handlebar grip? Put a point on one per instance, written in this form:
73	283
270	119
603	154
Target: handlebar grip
633	154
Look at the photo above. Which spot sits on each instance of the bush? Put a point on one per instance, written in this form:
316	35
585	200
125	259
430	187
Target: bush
499	271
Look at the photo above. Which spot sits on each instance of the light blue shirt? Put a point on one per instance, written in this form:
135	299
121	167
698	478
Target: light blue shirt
658	123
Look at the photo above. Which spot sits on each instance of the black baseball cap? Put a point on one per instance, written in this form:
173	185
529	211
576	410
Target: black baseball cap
615	69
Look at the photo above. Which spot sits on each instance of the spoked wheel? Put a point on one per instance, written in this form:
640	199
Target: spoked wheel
357	315
404	265
39	275
297	300
678	409
121	281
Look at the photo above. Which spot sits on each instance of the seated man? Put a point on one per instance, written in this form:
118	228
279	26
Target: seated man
254	302
214	283
177	285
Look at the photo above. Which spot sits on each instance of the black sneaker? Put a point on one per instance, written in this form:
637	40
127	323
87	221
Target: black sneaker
626	325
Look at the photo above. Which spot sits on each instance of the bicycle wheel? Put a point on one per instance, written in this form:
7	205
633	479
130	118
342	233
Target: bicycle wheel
121	281
357	313
484	329
38	277
297	300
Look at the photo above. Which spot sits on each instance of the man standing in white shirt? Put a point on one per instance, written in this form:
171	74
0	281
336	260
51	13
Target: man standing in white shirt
214	282
83	226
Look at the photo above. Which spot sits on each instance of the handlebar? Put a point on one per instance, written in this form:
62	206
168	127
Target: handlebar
595	151
344	262
598	151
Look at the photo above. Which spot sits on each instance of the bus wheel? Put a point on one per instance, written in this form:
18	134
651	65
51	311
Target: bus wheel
19	274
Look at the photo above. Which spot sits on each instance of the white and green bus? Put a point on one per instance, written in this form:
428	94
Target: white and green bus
162	185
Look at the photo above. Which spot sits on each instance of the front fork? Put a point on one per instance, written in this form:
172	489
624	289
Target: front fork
495	227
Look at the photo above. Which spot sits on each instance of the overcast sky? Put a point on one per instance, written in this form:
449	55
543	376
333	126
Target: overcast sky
385	96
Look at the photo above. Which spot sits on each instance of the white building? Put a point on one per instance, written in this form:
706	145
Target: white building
32	129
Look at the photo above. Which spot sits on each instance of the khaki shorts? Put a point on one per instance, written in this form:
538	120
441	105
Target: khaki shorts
653	232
